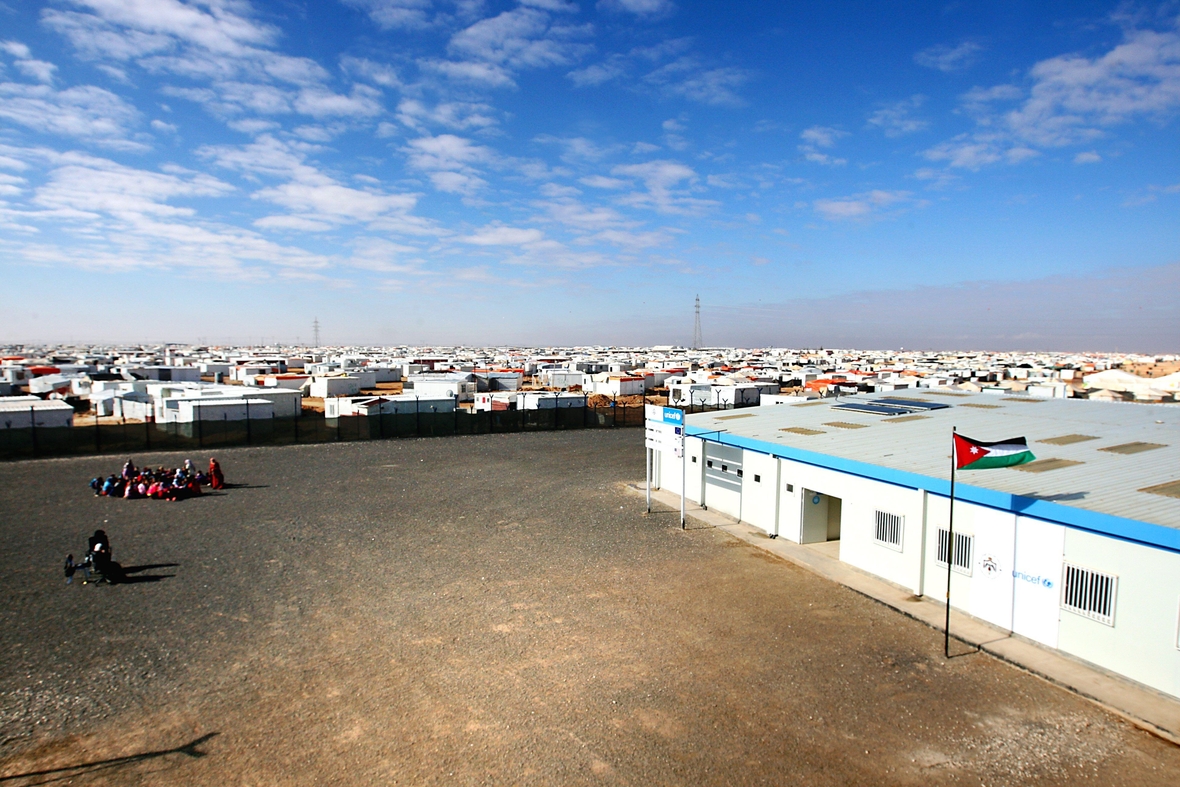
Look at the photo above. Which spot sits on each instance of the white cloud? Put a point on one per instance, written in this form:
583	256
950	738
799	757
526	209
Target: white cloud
557	6
37	69
639	7
860	207
821	137
377	73
688	78
599	73
85	112
451	162
391	14
488	74
664	192
602	182
160	125
460	115
364	101
217	42
949	58
314	201
1087	157
520	38
500	235
1071	100
895	120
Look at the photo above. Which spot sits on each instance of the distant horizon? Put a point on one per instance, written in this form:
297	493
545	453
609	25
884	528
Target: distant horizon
424	172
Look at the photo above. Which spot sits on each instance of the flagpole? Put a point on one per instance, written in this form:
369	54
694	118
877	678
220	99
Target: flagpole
950	547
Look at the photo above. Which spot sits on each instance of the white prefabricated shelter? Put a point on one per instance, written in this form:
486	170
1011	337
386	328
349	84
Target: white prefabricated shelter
562	378
185	411
499	400
454	388
402	404
337	385
25	412
548	400
1078	551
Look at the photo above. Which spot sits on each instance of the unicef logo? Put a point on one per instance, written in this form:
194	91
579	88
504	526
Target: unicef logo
1033	580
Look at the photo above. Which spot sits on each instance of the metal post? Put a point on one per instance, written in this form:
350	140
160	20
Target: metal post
683	475
417	417
97	439
33	428
247	420
200	428
950	549
647	455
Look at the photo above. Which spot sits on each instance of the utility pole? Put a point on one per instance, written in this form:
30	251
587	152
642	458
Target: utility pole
315	331
697	341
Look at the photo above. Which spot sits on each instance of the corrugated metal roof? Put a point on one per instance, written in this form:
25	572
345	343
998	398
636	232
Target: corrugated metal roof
1103	481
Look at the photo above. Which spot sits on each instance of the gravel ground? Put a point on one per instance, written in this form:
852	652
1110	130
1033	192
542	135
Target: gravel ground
483	610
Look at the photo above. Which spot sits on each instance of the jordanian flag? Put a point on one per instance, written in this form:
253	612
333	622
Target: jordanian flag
978	455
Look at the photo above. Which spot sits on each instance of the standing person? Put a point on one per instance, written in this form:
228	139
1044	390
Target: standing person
216	479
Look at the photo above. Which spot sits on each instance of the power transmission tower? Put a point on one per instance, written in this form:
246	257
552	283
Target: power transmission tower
697	341
315	331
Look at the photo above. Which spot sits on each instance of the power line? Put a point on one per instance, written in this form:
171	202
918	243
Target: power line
697	341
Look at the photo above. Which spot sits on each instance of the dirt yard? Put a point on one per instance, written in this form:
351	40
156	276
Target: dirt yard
482	610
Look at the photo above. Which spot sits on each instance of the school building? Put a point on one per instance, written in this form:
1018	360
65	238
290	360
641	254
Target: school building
1078	551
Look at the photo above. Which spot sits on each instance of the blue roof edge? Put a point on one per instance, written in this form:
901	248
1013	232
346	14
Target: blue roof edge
1146	533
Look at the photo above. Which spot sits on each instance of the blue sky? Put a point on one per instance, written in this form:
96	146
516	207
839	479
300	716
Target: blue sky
953	175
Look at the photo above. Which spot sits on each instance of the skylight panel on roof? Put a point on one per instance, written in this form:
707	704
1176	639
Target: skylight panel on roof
874	409
981	406
1170	489
731	417
845	425
904	419
1045	465
801	430
1067	439
1132	448
912	404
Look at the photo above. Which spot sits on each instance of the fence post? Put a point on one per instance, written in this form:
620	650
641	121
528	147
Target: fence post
200	428
147	433
417	417
33	428
97	441
247	419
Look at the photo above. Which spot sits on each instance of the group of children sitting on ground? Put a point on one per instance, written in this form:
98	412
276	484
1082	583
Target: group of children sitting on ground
160	484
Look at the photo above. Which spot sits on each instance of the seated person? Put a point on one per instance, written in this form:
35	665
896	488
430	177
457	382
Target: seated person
101	557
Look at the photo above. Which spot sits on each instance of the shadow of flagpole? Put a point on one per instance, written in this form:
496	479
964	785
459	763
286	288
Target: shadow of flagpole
70	771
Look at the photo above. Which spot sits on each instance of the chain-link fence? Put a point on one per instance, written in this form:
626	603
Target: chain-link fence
123	437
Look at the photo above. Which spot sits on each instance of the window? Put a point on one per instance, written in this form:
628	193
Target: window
709	463
790	487
725	468
1089	594
739	473
964	546
694	460
757	478
888	530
